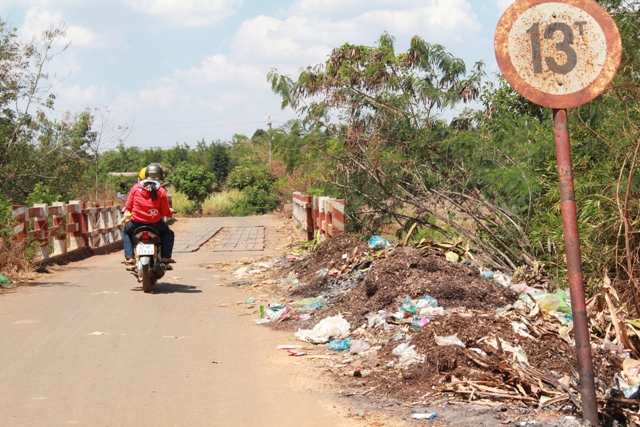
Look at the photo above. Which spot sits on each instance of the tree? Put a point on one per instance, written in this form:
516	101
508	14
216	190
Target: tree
219	162
194	182
386	149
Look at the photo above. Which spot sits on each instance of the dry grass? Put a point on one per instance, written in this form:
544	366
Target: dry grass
215	205
14	260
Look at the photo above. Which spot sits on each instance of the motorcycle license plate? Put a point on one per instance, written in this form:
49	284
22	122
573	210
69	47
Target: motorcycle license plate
144	249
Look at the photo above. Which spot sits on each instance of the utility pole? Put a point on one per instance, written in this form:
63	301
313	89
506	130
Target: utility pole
269	124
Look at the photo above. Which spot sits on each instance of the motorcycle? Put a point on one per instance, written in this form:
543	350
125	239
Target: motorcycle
148	266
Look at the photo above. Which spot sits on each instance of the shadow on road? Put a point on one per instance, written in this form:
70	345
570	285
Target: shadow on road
171	288
48	284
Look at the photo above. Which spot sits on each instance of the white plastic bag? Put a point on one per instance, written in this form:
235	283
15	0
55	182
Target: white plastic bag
400	349
327	328
358	346
450	340
409	357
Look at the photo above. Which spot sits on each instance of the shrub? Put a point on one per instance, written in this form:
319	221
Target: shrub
253	201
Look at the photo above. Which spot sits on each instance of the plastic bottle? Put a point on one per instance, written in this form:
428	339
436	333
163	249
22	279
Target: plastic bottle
262	311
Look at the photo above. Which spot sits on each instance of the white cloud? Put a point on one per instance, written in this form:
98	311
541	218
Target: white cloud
308	35
38	20
217	69
187	13
81	97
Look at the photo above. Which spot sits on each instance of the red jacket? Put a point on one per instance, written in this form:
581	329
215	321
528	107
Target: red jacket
145	210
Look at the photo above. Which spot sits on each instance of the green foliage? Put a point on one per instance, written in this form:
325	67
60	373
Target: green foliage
253	201
42	194
196	183
6	228
242	177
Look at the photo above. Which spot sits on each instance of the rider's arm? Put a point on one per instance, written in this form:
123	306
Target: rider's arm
129	204
165	210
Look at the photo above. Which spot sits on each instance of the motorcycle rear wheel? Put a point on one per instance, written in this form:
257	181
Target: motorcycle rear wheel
146	278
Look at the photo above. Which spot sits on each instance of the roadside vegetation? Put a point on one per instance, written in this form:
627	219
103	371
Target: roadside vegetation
371	130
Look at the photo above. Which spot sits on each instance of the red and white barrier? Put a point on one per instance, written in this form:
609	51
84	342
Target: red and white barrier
325	215
64	228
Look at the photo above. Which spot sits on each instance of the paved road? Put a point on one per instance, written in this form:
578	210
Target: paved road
86	347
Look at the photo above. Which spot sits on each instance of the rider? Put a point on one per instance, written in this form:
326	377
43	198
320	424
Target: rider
148	203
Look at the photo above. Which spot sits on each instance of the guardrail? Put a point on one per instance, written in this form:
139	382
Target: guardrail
63	229
318	214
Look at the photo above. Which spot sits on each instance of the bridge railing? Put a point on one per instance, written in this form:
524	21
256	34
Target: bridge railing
62	229
318	214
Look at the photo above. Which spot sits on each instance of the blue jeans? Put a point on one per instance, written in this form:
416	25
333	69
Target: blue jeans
166	238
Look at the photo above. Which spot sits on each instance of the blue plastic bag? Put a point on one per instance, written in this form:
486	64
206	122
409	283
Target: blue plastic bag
377	242
339	345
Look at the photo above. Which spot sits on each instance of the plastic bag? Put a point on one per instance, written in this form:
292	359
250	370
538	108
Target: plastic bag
432	311
309	304
418	322
408	306
552	302
327	328
400	349
450	340
548	302
339	345
409	357
377	319
452	256
278	312
377	242
358	346
427	301
487	275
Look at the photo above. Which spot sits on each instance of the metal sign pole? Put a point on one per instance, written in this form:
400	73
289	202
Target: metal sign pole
574	267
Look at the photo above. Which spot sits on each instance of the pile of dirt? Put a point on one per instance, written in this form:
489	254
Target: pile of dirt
417	273
505	350
331	254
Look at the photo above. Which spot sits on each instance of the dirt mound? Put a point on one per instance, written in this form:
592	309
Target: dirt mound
443	365
416	273
330	254
508	351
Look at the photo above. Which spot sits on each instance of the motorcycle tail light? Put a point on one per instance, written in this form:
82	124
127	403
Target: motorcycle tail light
145	236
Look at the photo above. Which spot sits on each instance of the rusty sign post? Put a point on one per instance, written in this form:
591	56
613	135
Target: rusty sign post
562	54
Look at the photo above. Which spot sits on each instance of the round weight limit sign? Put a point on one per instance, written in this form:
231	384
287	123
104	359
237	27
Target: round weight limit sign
558	54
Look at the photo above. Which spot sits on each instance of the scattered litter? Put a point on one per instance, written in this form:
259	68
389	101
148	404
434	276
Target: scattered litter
98	333
329	327
358	346
239	283
173	337
408	306
339	345
488	275
452	256
450	340
310	304
5	283
377	243
423	416
249	300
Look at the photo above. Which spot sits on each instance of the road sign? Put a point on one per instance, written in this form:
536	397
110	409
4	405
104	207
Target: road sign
558	54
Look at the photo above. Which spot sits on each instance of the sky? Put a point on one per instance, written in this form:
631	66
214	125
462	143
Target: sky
179	71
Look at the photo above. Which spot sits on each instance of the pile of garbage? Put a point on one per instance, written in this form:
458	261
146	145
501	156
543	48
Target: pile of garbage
413	324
